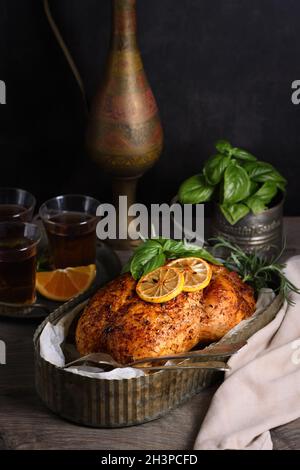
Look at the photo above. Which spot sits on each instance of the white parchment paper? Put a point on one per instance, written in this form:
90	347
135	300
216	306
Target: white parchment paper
52	338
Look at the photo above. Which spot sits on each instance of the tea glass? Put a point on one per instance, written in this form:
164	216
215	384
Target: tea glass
16	205
18	255
70	222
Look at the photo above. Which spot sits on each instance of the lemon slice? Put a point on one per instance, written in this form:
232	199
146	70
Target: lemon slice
197	273
161	285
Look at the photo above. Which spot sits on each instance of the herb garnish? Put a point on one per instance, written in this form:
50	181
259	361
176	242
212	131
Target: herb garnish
153	253
256	270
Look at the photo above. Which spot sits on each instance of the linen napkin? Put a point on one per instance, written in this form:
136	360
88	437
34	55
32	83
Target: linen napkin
262	389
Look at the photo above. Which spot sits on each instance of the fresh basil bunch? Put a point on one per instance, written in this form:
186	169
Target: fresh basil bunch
153	253
237	180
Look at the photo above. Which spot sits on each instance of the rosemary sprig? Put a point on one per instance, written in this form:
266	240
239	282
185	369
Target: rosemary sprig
256	270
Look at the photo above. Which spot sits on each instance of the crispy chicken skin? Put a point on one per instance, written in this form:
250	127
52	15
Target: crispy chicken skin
226	301
117	321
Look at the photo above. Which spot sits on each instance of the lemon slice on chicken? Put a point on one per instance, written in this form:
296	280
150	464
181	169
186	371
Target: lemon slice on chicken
161	285
197	273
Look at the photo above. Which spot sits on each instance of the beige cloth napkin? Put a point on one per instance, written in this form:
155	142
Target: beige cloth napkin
262	389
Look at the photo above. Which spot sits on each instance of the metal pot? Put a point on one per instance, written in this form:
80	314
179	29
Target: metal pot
261	233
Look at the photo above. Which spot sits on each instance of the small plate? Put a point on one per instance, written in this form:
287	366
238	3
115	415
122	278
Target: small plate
108	267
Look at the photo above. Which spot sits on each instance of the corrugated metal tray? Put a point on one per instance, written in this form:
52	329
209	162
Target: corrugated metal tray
118	403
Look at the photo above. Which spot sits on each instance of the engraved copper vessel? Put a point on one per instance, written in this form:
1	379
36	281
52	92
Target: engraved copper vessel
124	135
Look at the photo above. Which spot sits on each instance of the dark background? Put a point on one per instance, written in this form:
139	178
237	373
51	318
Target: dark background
218	68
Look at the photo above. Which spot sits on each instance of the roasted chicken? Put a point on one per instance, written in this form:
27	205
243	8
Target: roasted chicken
117	321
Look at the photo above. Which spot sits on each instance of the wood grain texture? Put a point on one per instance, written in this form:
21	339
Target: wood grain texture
2	443
25	423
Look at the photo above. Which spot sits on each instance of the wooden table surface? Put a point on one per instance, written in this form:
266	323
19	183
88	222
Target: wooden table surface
25	423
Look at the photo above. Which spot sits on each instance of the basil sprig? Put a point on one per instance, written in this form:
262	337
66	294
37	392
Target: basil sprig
153	254
237	180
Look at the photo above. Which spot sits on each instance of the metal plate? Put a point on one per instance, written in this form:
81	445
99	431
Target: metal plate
108	267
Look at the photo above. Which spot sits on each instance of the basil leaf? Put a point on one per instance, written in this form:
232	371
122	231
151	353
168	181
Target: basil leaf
258	202
202	253
126	267
256	205
178	249
263	171
215	167
137	264
236	184
223	146
267	192
154	263
136	268
195	190
243	155
253	187
150	244
143	255
234	212
172	247
281	185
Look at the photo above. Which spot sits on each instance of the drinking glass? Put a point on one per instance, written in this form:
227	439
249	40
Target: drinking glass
70	222
16	205
18	250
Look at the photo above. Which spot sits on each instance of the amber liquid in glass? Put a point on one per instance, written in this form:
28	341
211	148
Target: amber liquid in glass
11	212
72	239
17	270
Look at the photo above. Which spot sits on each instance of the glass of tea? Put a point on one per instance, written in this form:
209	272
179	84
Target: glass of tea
18	249
70	222
16	205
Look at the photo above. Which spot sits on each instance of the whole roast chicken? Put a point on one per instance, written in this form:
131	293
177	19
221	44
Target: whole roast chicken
118	322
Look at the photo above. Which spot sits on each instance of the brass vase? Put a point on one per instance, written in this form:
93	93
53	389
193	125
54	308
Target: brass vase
124	134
